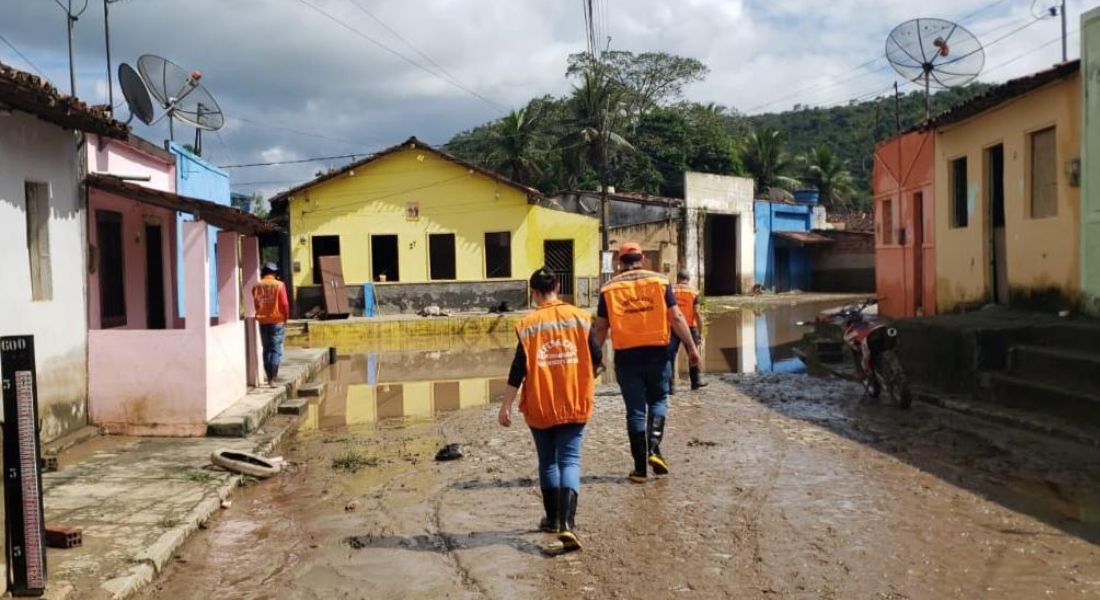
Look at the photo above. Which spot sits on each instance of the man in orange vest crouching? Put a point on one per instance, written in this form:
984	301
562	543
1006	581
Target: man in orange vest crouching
639	308
687	298
556	362
272	311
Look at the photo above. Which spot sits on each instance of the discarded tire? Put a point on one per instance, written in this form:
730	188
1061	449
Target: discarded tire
245	463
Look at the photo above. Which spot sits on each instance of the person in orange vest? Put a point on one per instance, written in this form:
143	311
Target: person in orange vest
556	362
272	311
687	298
639	310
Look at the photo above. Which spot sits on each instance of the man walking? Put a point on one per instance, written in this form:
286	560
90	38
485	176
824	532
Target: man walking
687	298
639	308
272	310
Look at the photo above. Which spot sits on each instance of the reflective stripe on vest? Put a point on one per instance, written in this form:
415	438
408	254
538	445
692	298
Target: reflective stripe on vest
685	299
560	384
266	296
636	308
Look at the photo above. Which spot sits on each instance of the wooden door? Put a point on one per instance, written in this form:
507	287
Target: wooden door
332	280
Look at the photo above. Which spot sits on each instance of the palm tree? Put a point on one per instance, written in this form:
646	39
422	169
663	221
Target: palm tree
827	174
763	157
514	143
592	130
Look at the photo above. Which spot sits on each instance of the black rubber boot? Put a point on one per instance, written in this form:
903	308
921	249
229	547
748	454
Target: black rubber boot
638	452
696	379
656	432
567	508
549	523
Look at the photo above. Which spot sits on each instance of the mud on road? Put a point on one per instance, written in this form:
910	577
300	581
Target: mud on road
783	486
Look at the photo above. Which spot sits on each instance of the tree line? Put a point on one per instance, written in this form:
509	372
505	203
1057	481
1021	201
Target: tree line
626	122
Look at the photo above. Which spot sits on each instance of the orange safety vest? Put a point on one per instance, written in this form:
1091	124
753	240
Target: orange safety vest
266	296
636	308
560	384
685	299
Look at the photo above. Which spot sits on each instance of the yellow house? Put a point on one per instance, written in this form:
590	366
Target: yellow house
414	227
1007	196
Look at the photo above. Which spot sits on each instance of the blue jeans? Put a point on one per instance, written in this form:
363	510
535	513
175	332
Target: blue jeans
674	343
271	339
645	390
559	450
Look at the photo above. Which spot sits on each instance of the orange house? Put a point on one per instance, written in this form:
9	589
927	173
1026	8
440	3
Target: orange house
902	187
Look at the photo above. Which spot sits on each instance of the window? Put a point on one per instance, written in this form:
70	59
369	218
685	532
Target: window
441	255
383	258
498	255
960	214
112	286
1044	174
323	245
38	239
888	222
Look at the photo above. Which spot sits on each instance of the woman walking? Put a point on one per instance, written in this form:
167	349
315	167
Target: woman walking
556	362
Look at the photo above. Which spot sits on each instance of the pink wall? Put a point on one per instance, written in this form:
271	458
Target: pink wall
116	157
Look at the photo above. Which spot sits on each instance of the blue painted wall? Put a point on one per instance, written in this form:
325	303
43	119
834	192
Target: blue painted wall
771	217
198	179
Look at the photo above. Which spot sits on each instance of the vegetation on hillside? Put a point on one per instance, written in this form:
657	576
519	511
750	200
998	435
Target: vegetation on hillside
626	123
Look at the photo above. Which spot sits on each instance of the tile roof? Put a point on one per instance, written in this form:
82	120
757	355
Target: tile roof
31	94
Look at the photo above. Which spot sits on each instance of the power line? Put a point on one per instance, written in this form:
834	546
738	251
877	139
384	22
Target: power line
398	54
25	59
296	161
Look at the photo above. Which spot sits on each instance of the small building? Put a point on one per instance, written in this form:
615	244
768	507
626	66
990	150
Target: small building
785	241
42	242
414	226
845	264
719	241
902	188
1007	195
1090	169
654	222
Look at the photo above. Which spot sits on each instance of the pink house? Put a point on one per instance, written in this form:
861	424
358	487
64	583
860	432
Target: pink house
149	371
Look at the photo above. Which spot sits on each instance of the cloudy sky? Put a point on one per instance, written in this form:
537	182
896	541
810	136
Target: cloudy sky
310	78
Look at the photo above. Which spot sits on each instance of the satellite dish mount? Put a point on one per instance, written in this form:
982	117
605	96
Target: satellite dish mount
936	53
182	96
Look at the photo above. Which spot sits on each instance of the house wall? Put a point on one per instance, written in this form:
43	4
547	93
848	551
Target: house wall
1042	254
373	200
1090	167
197	178
118	158
718	194
661	237
33	150
847	265
778	216
905	274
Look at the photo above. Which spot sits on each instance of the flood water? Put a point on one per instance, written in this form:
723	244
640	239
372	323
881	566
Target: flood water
368	386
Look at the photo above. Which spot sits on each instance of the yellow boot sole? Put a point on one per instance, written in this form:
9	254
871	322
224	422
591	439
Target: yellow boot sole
569	541
659	465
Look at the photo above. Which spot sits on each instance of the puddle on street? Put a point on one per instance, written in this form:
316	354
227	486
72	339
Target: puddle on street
366	387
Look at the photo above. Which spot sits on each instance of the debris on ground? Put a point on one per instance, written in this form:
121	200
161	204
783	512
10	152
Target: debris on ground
449	452
352	506
246	463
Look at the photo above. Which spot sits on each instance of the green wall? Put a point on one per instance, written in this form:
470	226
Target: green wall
1090	168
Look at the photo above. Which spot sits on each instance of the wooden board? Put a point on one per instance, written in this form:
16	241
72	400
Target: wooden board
332	280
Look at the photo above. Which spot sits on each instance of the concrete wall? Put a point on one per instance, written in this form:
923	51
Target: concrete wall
771	217
1090	167
847	265
905	273
1042	254
33	150
718	194
661	237
374	199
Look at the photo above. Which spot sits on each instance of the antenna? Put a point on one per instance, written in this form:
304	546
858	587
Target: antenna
107	43
136	94
181	96
70	21
934	52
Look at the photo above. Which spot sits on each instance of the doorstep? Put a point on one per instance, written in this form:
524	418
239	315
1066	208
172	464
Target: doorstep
248	414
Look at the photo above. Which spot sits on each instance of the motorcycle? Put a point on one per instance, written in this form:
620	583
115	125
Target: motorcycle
873	346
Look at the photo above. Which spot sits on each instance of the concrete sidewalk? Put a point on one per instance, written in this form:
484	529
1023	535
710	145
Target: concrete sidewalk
249	413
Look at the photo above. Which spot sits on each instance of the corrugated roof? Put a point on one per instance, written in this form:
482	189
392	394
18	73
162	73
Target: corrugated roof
410	144
31	94
218	215
998	95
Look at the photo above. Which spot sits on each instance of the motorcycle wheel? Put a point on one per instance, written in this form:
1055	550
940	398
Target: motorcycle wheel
894	379
870	381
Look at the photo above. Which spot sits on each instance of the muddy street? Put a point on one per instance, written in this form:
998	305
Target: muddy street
783	486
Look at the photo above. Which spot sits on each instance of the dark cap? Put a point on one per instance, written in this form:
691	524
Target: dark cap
271	268
683	275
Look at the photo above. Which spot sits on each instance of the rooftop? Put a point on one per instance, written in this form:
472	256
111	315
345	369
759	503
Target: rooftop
33	95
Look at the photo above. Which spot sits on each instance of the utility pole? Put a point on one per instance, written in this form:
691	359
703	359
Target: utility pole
71	21
107	41
1065	53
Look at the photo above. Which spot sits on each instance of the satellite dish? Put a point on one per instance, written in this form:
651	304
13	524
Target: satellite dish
137	97
934	52
181	96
